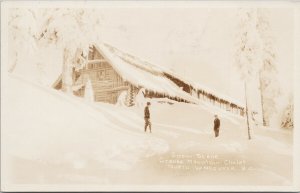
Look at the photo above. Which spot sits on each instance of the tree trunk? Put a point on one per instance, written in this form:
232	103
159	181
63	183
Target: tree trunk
67	74
249	135
262	101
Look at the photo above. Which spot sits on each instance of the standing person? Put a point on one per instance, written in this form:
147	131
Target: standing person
147	117
216	126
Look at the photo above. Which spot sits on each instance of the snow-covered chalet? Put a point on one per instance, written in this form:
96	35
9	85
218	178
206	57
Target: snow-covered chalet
112	72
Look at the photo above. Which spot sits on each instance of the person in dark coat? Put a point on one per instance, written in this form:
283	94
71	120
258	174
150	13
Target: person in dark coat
147	117
216	126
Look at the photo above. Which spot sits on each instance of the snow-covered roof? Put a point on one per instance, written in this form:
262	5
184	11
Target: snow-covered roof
202	87
141	73
218	94
152	77
199	86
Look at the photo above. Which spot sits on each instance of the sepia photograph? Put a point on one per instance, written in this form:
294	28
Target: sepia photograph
149	95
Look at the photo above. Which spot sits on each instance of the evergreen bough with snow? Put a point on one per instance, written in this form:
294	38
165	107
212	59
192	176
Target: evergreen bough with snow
72	31
131	94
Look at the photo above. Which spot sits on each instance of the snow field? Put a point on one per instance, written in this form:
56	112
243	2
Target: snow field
44	124
56	131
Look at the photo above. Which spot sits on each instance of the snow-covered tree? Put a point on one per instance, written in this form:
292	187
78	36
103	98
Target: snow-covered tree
88	92
255	58
122	99
248	52
269	85
248	45
73	31
22	36
140	100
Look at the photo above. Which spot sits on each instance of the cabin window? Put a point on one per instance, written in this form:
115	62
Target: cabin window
100	75
118	79
107	73
105	64
92	66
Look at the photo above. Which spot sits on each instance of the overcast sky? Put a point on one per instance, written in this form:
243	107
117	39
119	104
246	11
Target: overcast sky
195	42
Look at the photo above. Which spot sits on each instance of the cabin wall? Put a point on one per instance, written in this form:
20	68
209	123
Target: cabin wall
107	84
108	88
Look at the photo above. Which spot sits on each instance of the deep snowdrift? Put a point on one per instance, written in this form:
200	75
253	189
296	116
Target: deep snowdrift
45	124
58	138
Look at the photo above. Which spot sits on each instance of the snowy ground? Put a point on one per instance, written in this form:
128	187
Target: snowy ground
52	138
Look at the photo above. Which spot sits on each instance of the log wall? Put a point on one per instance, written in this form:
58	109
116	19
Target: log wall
106	82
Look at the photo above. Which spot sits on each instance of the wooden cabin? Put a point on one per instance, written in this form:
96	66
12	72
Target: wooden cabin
106	70
107	84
